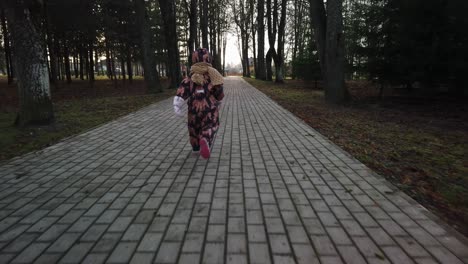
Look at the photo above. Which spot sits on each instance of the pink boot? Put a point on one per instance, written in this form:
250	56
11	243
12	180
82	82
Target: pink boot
204	148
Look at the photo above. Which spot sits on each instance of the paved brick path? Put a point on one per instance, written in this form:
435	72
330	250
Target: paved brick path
274	191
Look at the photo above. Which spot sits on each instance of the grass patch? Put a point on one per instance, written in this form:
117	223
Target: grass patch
72	117
419	146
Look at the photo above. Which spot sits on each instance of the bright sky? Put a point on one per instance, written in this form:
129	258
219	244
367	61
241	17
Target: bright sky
232	52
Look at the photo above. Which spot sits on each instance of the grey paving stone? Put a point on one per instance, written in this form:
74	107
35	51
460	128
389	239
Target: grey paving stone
150	242
30	253
305	254
120	224
142	258
77	253
188	258
193	242
168	252
279	244
94	233
95	258
236	258
236	244
53	232
107	242
122	252
47	258
134	232
130	191
63	243
214	253
20	242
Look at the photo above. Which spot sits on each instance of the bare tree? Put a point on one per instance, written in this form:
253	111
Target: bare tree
242	20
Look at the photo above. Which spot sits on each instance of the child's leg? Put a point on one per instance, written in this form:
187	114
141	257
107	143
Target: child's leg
194	134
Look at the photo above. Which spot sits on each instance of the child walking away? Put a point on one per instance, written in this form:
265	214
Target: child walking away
203	90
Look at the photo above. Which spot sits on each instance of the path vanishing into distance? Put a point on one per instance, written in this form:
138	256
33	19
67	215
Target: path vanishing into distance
273	191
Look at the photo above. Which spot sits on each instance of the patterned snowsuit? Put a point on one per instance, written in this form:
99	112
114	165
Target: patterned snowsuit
203	103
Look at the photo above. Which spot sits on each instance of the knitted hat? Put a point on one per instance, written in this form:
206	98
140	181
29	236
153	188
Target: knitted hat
201	55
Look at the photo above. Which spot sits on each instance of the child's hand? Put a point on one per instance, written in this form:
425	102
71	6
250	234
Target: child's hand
178	103
178	111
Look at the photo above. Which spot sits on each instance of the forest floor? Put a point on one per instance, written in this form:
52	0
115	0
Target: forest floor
78	107
419	144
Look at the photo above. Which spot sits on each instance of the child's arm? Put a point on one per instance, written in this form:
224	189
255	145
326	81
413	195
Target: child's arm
218	92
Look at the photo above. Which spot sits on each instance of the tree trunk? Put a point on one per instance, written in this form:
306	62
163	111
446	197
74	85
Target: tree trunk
6	44
108	60
252	21
91	62
334	48
319	24
81	62
149	64
51	48
122	63
328	26
30	62
204	23
224	55
272	29
279	61
168	11
192	41
245	54
75	66
129	64
261	71
67	62
269	69
96	62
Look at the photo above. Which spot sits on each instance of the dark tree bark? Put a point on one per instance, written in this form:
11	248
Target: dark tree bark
261	71
224	55
146	43
204	23
96	62
51	47
75	65
108	60
334	61
279	61
168	11
86	66
192	42
272	18
30	62
91	61
80	51
122	65
67	62
328	26
254	31
57	61
129	64
319	24
6	43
